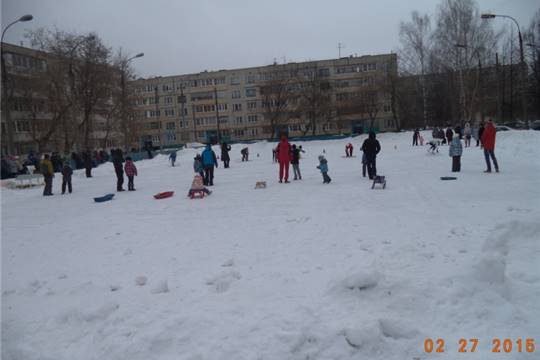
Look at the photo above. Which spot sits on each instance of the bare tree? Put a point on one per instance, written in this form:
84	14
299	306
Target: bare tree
532	37
415	38
277	96
314	99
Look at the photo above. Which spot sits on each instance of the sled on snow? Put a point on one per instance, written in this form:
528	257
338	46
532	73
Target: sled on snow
379	180
197	194
104	198
448	178
164	195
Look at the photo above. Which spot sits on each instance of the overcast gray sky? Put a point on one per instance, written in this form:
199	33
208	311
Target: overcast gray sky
187	36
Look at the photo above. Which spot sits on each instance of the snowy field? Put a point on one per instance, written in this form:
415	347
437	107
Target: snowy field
294	271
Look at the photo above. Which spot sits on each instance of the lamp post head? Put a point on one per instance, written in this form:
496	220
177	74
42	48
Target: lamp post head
139	55
27	17
488	16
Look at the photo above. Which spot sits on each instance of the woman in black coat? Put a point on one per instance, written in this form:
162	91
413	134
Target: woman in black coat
225	154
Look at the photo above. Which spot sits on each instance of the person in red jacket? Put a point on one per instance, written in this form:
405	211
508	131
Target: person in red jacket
488	142
131	172
284	158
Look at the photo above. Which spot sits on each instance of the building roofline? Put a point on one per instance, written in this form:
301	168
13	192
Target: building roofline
206	72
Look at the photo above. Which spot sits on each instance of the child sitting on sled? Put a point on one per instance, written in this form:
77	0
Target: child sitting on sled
197	186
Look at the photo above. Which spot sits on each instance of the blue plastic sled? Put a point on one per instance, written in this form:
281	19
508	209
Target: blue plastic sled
104	198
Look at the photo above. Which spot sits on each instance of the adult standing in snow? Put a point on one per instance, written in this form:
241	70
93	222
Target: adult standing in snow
284	158
467	131
455	152
415	137
488	142
87	158
449	135
131	172
225	148
172	158
209	160
47	171
118	159
371	147
67	171
480	133
295	162
245	154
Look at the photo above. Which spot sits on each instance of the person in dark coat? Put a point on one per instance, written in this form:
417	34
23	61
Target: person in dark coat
245	154
459	131
295	162
225	154
415	137
87	157
172	158
371	147
118	159
480	132
209	160
449	135
47	171
67	171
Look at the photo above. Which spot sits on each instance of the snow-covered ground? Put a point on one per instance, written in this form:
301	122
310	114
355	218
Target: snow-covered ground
294	271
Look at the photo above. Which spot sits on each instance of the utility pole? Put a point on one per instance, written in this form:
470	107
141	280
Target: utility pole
182	99
158	115
217	117
340	46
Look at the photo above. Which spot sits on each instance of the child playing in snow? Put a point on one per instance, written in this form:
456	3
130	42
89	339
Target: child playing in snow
323	166
197	165
197	185
433	146
131	172
67	171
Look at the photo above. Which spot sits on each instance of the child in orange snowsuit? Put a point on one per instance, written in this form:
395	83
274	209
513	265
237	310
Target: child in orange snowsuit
197	185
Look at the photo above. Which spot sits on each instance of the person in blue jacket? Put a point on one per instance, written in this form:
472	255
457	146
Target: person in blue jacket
172	158
323	166
209	160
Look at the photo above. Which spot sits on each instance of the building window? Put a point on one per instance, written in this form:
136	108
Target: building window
251	92
168	100
324	72
170	125
253	132
155	125
252	105
235	80
222	107
23	126
236	94
239	120
169	112
171	137
252	118
200	134
237	107
223	119
156	139
238	132
294	127
250	79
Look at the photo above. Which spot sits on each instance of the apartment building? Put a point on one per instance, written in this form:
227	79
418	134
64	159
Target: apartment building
233	105
34	127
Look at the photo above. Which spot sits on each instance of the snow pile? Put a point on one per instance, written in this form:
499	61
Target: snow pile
296	271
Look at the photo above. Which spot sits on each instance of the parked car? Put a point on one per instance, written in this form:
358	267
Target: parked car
535	125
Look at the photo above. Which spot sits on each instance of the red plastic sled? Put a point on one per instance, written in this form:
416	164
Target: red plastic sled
164	195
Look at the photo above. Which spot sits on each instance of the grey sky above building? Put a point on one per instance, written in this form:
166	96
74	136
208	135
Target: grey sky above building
182	36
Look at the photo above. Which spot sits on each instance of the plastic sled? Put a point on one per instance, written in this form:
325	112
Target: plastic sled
164	195
379	180
197	194
448	178
104	198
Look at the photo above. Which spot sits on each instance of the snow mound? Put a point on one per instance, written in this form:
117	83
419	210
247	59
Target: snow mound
397	329
222	282
160	287
362	280
141	280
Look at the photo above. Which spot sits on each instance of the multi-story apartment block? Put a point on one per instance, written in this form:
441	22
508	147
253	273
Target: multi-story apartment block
34	126
186	108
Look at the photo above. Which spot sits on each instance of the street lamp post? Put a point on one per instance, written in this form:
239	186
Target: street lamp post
124	65
7	110
523	65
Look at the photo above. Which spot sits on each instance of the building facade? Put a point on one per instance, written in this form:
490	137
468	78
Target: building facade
27	106
185	108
